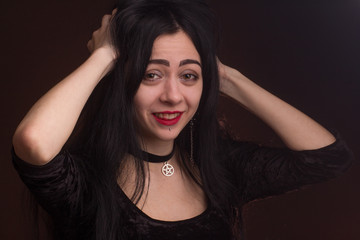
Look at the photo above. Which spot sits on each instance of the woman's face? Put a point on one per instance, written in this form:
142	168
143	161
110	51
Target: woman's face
170	92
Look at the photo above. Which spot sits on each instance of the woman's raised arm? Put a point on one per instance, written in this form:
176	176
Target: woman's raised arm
297	130
50	121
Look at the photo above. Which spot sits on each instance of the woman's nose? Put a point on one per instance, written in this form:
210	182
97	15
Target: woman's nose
171	93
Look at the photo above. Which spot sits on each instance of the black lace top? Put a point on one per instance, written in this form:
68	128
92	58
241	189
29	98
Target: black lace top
257	171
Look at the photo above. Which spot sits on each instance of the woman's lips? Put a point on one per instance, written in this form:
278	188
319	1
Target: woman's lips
167	118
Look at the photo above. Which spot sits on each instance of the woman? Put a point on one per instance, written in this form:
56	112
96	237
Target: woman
147	159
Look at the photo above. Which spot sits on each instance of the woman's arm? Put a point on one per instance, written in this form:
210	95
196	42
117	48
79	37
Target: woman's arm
49	123
298	131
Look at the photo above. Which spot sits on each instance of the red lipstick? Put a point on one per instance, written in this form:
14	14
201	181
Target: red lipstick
168	118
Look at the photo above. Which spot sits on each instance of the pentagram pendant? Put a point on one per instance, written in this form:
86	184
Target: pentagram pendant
167	169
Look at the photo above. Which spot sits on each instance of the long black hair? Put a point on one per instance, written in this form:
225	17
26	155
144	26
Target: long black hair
106	129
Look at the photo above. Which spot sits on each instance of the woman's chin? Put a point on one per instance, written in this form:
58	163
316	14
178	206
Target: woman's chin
164	136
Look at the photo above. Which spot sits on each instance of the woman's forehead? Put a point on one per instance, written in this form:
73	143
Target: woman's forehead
174	47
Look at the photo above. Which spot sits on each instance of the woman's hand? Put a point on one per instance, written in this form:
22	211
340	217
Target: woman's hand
226	78
101	38
222	73
298	131
49	123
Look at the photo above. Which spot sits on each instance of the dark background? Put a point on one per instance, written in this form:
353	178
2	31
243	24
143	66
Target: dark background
306	52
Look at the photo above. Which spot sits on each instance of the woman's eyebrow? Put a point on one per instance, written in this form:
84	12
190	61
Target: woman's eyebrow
160	61
189	61
167	63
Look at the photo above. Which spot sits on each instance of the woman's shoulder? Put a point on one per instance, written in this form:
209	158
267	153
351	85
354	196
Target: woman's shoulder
57	185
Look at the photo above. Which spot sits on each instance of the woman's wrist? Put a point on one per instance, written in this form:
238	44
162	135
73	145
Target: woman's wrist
230	81
106	54
104	58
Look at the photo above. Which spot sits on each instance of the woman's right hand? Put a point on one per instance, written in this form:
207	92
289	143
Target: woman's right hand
101	38
47	126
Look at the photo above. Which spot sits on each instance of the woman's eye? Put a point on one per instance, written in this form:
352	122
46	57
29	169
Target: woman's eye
189	76
151	76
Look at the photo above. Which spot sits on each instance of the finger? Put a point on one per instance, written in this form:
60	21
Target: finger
96	33
113	14
105	20
90	45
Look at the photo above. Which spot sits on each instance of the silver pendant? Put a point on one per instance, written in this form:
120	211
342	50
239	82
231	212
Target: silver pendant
167	169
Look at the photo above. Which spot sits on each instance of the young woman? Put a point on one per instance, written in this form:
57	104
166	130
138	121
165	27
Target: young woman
147	158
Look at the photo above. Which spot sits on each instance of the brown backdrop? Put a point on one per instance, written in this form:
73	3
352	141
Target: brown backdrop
307	52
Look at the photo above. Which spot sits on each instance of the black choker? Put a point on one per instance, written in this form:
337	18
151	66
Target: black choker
167	169
149	157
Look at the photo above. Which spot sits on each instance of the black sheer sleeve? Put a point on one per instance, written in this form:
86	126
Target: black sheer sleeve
59	186
259	172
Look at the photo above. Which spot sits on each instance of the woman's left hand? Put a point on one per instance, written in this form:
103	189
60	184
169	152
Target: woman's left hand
223	69
298	131
230	79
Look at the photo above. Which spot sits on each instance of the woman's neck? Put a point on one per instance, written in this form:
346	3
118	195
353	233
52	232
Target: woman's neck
160	148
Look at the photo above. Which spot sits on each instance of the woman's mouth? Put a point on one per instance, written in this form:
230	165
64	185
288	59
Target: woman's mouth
167	118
